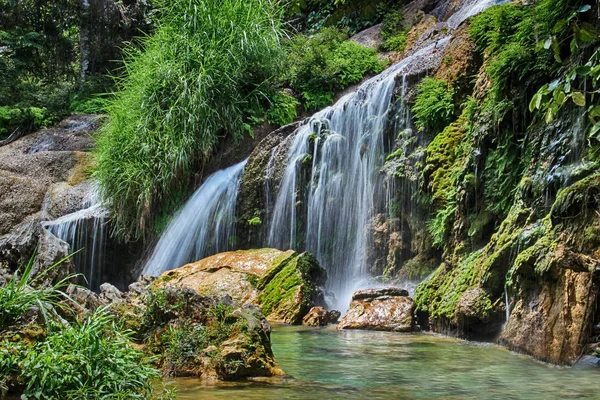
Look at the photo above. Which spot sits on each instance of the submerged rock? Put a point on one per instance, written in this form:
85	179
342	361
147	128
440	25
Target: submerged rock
388	309
285	285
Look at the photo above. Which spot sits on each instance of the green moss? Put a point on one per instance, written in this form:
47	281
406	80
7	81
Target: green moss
281	285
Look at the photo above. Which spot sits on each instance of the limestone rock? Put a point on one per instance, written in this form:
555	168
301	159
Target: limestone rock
317	316
284	284
388	309
110	294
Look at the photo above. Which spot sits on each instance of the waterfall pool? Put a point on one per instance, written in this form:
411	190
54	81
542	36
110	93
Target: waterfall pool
329	364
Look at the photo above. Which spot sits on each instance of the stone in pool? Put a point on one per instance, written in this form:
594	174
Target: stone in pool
388	309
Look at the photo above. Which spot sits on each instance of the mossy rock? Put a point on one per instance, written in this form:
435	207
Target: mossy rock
291	289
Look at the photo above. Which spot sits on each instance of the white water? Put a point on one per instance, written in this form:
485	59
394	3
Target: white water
205	225
470	8
345	145
85	232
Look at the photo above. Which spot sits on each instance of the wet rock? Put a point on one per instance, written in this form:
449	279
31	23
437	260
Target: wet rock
317	316
334	316
386	309
588	362
284	284
374	293
17	247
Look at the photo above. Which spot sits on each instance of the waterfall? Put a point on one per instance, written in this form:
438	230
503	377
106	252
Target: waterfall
204	226
340	154
84	231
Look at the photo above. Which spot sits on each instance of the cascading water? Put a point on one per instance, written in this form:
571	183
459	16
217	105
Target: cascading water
344	146
85	233
205	225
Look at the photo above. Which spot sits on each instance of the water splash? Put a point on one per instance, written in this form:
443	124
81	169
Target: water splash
340	153
205	225
85	232
469	9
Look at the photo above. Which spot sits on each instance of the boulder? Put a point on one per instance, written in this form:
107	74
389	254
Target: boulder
285	284
388	309
319	316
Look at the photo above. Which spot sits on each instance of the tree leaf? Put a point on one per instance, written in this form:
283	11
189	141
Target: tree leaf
533	102
584	8
595	129
548	43
583	71
549	115
578	98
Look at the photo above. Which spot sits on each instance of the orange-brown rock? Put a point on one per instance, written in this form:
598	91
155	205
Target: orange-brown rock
388	309
233	273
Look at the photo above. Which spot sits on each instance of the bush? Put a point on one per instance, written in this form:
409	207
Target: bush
92	360
320	65
283	109
188	87
434	108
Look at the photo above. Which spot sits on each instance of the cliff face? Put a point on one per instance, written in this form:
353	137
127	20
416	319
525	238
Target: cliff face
500	206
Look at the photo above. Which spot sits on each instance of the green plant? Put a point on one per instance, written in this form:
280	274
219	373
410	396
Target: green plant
20	294
187	88
325	63
283	109
91	360
434	106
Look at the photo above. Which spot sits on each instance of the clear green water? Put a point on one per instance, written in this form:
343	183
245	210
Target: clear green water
330	364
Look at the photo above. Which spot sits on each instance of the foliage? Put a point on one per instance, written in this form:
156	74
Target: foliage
581	84
509	35
434	106
188	87
91	360
394	32
320	65
311	16
283	109
18	296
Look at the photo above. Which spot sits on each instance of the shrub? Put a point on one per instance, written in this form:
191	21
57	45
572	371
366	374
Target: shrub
187	88
91	360
434	107
322	64
283	109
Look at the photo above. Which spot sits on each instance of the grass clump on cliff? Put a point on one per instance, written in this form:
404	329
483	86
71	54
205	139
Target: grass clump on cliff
188	87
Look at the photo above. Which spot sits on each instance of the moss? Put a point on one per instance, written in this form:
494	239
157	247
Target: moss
289	287
572	200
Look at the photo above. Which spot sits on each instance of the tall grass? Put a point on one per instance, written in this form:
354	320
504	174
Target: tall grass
189	86
20	294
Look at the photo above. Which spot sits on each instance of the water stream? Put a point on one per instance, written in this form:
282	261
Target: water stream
330	364
204	226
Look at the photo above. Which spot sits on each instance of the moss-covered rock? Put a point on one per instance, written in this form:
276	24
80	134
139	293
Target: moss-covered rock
284	284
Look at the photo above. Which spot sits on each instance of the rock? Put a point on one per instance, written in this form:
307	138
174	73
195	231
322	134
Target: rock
284	284
142	285
588	362
317	316
199	336
84	297
17	247
374	293
370	37
334	316
110	294
51	250
386	309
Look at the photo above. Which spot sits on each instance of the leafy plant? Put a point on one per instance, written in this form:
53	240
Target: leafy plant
434	107
91	360
283	109
320	65
188	87
19	294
